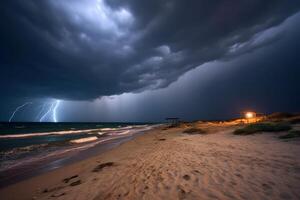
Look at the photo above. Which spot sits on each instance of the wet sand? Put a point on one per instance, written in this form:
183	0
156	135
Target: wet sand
57	160
169	164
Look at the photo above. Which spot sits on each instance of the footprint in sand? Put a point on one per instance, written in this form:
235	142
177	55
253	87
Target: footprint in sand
266	186
58	195
186	177
76	183
197	171
103	165
66	180
52	189
239	175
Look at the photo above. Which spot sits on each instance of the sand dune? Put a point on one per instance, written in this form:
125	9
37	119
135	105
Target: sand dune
167	164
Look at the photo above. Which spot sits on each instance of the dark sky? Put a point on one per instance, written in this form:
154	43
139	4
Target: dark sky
133	60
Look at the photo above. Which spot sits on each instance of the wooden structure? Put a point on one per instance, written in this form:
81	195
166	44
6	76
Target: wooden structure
173	121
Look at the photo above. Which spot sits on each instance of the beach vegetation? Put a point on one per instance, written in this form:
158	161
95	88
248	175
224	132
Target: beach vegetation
263	127
291	134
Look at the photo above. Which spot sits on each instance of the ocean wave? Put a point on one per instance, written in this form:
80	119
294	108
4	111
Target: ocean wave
21	150
12	163
101	133
126	132
108	129
90	131
47	133
124	128
25	155
83	140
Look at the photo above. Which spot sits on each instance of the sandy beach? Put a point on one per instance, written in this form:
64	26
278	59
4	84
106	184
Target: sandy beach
169	164
149	100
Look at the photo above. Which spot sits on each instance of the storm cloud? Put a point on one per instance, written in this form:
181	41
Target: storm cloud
85	49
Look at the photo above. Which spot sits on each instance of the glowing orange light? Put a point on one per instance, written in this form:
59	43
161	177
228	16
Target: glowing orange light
249	115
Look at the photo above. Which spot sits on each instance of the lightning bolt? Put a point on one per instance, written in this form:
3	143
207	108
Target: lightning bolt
41	111
17	109
53	109
49	110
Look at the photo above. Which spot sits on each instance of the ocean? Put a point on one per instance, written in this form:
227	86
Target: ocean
26	143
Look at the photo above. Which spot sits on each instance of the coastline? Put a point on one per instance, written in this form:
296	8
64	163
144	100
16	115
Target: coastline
61	159
170	164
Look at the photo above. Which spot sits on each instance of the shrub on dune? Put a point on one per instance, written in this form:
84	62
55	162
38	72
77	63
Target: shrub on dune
291	134
263	127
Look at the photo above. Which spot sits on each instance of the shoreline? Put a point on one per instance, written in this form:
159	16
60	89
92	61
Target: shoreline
25	171
170	164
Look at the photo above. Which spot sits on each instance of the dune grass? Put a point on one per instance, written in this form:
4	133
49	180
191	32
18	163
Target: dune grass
291	134
263	127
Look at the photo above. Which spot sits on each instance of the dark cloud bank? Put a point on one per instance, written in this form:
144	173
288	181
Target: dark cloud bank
85	49
264	80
